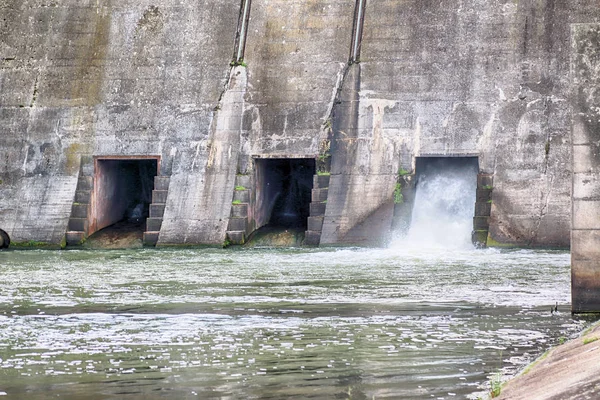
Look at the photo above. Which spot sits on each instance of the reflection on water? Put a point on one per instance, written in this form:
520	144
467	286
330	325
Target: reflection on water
358	324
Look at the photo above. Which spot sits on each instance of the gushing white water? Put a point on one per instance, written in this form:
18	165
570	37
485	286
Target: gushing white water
444	205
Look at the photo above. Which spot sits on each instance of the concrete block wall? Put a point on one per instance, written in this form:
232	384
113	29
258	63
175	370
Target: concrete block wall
475	78
585	234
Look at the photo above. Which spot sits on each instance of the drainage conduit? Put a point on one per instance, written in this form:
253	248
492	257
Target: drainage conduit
242	32
357	30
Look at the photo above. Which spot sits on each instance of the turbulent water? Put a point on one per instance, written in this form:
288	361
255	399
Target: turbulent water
444	205
259	323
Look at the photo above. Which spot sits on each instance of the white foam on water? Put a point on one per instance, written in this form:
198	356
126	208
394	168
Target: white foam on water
443	210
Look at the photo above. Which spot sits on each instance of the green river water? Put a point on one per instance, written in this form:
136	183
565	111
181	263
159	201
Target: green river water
275	324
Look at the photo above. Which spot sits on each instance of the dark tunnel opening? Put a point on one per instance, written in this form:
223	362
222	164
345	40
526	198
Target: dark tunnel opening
123	192
284	188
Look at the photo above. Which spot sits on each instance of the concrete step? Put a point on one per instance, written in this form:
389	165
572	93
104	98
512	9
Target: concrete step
312	238
238	224
78	224
483	195
319	195
159	196
239	210
483	209
317	209
481	223
320	181
315	223
153	224
83	196
75	238
150	238
485	180
85	183
79	210
243	180
479	238
86	166
243	196
157	210
161	182
236	237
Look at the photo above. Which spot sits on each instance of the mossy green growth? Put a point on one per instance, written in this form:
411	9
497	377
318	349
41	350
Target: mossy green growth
236	202
31	244
496	385
226	243
239	63
323	173
240	188
493	243
487	187
589	340
547	148
398	197
562	340
403	172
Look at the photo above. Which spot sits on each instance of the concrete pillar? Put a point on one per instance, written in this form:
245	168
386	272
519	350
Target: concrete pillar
585	227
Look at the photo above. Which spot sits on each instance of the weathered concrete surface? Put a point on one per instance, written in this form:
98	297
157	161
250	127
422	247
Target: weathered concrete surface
568	372
474	78
585	235
443	78
104	78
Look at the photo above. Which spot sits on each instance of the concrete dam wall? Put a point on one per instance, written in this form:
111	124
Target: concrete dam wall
216	110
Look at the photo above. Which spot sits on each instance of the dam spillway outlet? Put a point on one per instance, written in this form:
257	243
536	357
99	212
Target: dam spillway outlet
283	192
123	191
445	201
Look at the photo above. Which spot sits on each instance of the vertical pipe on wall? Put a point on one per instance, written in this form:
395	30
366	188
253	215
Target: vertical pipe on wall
359	19
242	32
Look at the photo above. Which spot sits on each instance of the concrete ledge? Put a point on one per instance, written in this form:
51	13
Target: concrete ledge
317	209
243	196
78	224
483	209
312	238
483	195
243	180
481	223
75	238
161	182
319	195
236	237
237	224
315	223
485	180
85	183
320	181
157	210
159	196
79	210
150	238
479	238
83	196
239	210
153	224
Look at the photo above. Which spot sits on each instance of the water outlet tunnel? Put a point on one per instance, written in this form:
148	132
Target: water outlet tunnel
283	192
444	203
123	192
